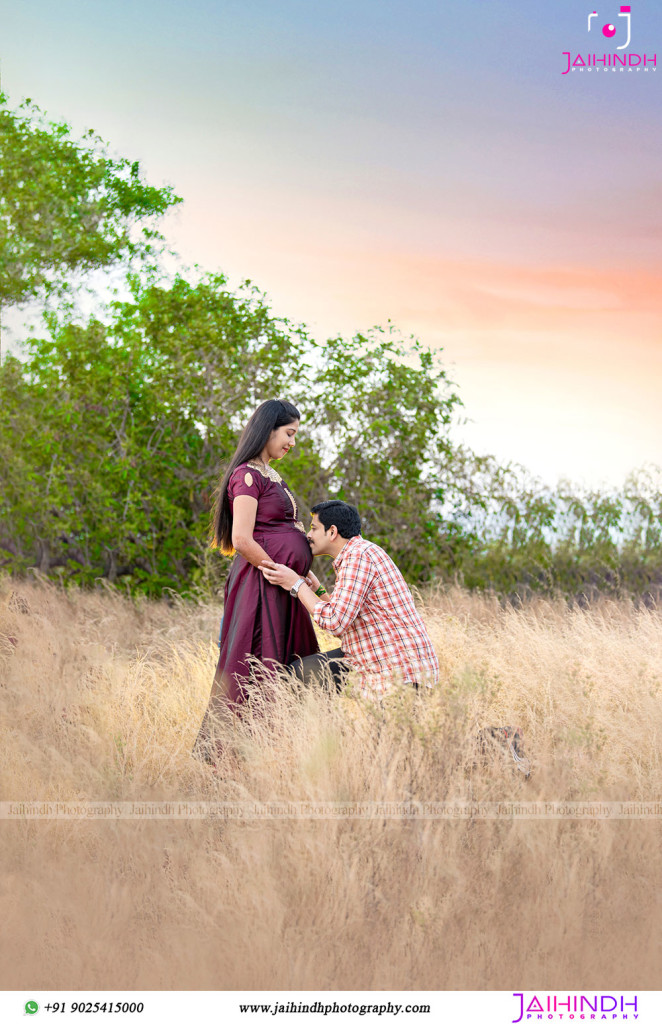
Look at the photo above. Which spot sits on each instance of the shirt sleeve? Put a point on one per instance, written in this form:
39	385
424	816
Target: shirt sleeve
355	578
245	480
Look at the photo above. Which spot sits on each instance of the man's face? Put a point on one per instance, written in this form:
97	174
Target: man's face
320	540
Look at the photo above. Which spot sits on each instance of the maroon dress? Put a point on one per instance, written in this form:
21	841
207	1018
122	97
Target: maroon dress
259	618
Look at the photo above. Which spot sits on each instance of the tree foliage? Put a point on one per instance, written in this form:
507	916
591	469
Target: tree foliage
384	405
516	536
127	424
67	206
114	431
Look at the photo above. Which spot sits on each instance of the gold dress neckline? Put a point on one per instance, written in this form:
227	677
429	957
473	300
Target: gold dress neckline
271	474
268	471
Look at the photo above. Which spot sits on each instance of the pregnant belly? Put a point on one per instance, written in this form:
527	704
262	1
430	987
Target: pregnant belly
290	547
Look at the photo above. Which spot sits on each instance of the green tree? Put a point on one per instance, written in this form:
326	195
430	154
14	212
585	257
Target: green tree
113	436
67	206
381	408
124	425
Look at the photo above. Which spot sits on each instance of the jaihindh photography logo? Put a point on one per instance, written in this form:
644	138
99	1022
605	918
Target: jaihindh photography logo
615	26
598	1006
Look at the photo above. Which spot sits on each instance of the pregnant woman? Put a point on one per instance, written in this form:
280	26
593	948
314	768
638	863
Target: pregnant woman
256	516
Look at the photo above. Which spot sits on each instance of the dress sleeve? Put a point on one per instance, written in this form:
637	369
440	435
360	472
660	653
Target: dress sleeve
245	480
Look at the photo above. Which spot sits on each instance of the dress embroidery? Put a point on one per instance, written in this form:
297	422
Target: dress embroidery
271	474
268	471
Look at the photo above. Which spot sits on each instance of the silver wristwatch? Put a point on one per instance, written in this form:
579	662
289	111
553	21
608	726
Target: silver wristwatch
295	589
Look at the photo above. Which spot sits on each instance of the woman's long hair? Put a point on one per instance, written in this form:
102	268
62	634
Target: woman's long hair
267	417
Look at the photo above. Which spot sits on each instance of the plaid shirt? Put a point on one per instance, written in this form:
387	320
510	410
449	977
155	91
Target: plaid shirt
372	610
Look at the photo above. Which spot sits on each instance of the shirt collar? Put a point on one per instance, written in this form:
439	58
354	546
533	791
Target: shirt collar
340	558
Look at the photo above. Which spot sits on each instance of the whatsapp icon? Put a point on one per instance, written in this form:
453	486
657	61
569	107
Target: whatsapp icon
31	1006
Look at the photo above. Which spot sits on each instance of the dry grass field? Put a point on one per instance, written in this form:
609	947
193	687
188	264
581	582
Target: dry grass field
101	699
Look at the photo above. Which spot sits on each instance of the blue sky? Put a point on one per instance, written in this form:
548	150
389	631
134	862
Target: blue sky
424	162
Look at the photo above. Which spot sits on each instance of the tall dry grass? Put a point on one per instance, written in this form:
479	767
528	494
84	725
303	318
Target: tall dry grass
102	699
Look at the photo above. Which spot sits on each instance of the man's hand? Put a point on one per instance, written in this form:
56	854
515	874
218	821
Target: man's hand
312	581
279	575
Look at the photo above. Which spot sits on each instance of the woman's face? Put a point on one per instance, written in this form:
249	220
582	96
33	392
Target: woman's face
282	440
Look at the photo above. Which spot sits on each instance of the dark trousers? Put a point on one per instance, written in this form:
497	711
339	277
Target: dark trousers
327	667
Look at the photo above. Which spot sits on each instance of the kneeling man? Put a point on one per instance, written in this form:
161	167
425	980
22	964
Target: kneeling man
371	608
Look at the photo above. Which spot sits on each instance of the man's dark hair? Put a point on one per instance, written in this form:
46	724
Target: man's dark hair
344	517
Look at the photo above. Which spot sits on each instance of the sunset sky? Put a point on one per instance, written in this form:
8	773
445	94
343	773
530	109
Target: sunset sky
424	162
